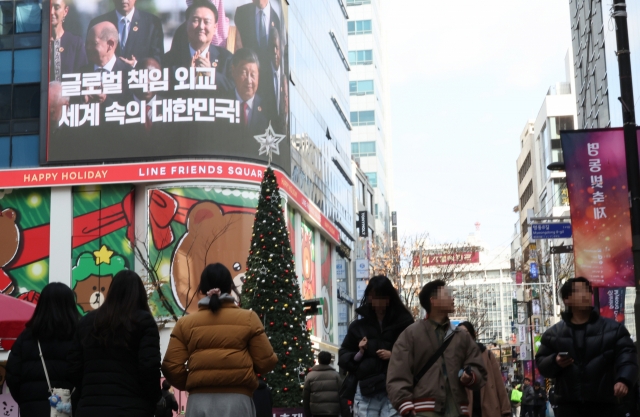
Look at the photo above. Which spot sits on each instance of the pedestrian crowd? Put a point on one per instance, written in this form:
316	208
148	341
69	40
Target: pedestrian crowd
108	363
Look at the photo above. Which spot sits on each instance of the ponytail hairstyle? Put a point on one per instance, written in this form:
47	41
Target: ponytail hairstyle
216	277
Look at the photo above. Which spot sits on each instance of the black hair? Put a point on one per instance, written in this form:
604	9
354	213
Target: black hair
527	379
56	315
567	288
467	325
114	323
324	358
166	385
430	290
381	286
536	383
245	55
216	276
201	3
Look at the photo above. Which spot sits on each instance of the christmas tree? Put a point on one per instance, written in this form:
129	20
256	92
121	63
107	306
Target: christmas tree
271	290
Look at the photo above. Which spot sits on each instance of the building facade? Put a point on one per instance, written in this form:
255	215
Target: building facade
369	95
596	63
80	222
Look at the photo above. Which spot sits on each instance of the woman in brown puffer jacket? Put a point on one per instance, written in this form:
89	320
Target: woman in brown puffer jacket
214	354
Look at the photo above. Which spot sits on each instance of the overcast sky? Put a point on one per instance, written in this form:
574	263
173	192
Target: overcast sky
465	77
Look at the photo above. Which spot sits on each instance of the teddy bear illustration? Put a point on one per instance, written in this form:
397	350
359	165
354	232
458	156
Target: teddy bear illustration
212	236
92	277
9	245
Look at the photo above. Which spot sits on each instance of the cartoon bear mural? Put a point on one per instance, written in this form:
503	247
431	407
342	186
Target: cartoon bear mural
9	245
92	277
212	236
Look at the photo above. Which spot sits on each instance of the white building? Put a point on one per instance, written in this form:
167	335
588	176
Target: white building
371	141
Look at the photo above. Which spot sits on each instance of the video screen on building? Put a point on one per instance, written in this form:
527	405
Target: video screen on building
146	79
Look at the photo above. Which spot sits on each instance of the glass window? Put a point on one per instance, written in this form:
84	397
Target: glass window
24	151
363	57
363	118
370	202
5	102
6	17
26	66
26	101
359	27
6	64
363	148
5	152
360	191
360	88
357	2
373	178
28	16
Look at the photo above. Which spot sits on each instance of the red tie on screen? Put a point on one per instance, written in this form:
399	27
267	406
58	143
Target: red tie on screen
245	113
147	122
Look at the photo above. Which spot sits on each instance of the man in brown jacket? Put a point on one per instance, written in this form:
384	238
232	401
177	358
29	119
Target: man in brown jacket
320	395
441	391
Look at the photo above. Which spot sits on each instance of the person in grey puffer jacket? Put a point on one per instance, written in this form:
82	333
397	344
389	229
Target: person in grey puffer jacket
320	394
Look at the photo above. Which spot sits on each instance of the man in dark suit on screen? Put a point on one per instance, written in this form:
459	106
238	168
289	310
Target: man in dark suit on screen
197	50
101	44
254	117
255	23
140	33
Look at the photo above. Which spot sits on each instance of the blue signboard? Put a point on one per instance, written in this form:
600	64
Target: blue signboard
533	270
550	230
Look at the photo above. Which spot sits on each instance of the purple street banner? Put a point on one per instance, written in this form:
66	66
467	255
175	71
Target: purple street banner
597	182
612	303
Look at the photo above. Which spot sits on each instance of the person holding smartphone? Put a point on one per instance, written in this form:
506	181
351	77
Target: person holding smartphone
592	358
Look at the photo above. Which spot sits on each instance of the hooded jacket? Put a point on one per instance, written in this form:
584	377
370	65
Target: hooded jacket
377	338
223	351
609	357
320	395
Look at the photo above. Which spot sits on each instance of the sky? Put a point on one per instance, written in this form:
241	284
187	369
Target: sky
465	77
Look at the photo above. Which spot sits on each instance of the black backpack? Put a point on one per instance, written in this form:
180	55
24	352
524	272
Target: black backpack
161	407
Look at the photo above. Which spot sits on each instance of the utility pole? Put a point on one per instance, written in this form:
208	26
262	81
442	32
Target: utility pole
619	13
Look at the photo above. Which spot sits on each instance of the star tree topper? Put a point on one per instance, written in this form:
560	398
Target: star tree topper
269	142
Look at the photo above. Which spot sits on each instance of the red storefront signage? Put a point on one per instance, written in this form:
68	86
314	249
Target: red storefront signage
161	171
446	258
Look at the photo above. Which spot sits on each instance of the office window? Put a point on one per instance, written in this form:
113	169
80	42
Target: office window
359	27
26	101
363	118
373	178
361	88
357	2
363	57
370	202
360	192
28	16
20	66
6	17
363	148
5	102
19	151
26	66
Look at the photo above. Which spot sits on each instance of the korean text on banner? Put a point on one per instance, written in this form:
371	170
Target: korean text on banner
597	183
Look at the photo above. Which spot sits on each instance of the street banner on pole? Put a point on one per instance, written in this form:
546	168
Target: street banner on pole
612	303
597	182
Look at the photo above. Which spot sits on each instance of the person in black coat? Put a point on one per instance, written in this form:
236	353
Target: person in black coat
262	400
171	404
115	359
53	324
141	37
366	349
539	400
67	50
593	359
